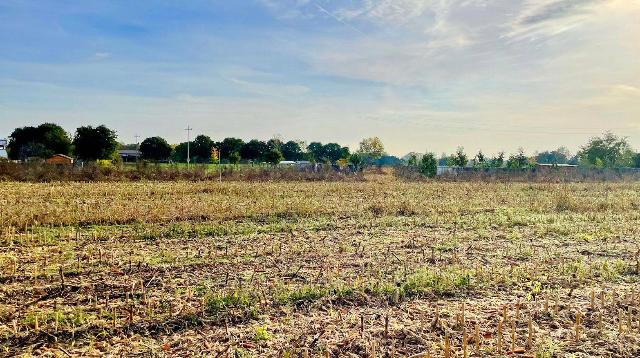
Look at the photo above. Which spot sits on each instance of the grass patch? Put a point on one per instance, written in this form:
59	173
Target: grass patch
449	281
237	303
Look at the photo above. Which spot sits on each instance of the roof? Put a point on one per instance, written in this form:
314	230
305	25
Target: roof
62	156
557	165
131	152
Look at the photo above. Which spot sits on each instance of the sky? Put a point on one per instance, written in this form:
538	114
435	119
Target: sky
423	75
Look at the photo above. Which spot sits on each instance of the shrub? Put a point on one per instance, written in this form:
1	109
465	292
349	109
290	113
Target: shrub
429	165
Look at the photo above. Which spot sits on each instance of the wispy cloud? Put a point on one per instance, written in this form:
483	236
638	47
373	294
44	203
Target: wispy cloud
418	73
101	55
556	9
543	18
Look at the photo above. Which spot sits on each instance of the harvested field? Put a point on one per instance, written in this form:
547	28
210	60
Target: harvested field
373	268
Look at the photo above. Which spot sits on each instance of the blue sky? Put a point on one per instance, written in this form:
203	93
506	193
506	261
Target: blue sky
420	74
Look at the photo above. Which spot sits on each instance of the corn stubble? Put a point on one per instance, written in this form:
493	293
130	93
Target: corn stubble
373	268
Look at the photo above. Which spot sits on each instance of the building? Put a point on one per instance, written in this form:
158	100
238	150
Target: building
544	165
60	159
3	149
129	155
287	163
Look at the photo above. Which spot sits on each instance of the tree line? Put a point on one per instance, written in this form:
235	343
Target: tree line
607	151
100	143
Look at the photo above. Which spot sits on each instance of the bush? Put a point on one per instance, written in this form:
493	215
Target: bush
429	165
105	171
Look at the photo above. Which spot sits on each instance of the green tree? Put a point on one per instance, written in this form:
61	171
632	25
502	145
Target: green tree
274	143
558	156
356	161
334	152
228	146
179	154
273	156
519	161
93	143
234	158
608	151
292	150
255	150
200	149
41	141
429	165
497	161
636	161
316	151
156	149
480	161
412	161
460	159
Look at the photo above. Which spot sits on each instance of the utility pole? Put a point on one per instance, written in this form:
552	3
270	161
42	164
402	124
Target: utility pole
188	129
137	137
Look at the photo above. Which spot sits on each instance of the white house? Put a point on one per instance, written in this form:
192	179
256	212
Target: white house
3	149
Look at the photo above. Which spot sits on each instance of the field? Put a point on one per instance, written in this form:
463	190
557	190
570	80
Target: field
366	268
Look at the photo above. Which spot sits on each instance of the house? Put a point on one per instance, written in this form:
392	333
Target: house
300	164
60	159
447	170
3	149
287	163
544	165
129	155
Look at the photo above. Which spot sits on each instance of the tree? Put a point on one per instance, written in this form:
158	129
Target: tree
316	151
93	143
429	165
273	156
356	160
334	152
608	151
412	160
180	153
228	146
497	161
371	149
254	150
200	149
460	158
234	158
636	161
480	160
518	161
41	141
155	148
274	143
558	156
292	150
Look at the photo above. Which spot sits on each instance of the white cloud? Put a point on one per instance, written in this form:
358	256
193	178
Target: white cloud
270	89
101	55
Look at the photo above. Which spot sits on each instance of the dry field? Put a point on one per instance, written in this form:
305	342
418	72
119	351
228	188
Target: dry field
376	268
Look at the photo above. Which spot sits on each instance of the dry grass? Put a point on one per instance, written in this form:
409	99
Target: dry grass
287	269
